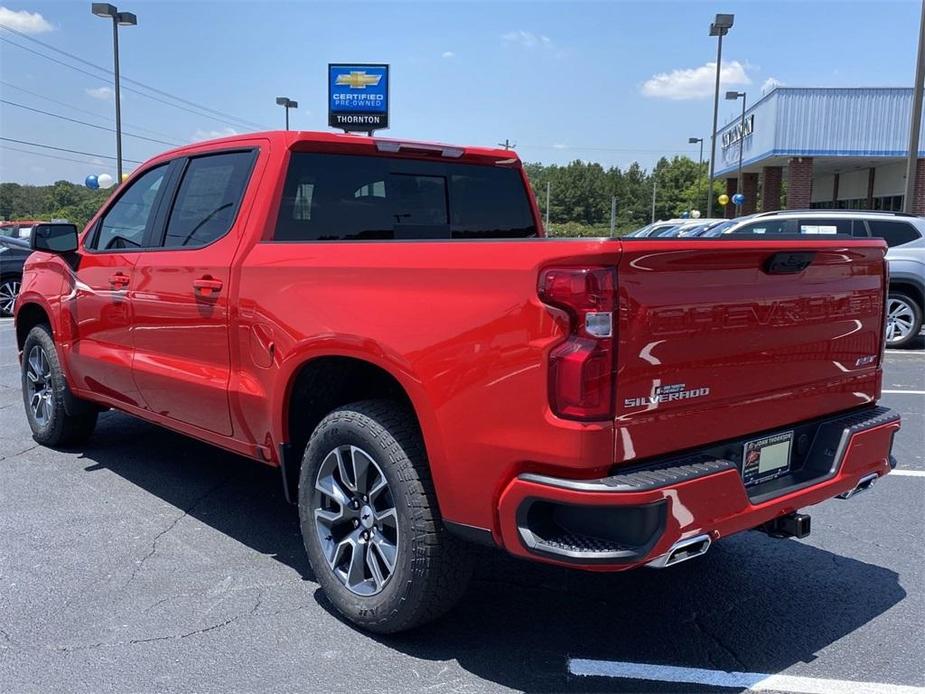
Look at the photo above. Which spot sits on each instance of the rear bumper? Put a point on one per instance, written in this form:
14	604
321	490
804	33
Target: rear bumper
638	515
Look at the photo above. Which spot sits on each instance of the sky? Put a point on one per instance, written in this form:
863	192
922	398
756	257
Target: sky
612	82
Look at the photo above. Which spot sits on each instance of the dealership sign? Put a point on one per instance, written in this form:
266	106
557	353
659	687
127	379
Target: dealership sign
358	97
739	132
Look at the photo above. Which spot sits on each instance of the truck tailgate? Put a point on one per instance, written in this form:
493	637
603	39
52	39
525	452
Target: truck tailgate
717	340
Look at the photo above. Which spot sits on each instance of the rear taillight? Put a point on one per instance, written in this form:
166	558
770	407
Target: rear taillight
582	368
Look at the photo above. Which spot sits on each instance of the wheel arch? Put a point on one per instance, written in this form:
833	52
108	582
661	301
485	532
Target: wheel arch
910	287
28	315
318	383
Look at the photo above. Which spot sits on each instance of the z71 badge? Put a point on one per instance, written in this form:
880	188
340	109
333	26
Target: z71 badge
677	391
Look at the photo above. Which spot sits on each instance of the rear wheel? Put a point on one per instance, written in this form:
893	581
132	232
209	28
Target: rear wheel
44	392
9	290
903	319
370	522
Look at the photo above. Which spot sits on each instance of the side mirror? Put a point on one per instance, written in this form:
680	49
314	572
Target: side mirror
54	238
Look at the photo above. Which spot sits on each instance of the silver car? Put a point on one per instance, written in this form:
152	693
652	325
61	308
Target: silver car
907	293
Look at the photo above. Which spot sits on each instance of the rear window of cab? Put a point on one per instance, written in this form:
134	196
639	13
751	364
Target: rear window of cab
341	197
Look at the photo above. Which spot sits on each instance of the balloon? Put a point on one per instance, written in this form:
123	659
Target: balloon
723	199
105	180
684	215
695	214
738	199
91	182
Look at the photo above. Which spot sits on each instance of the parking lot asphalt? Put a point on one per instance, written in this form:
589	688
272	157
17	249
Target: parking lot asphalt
146	561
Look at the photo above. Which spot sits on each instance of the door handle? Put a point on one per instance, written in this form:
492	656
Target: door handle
206	286
119	280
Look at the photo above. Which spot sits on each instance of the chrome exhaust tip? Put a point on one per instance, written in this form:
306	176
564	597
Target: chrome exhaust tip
865	483
682	550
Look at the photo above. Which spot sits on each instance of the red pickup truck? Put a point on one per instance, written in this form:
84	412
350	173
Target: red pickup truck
383	322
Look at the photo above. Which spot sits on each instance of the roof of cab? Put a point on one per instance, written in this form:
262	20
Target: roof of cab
355	143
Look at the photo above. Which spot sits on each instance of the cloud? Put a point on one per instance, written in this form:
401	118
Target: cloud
24	21
694	83
526	39
101	93
448	54
771	83
213	134
558	145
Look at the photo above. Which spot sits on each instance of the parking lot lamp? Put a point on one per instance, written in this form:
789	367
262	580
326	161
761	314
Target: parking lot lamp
694	141
287	104
125	19
732	96
719	28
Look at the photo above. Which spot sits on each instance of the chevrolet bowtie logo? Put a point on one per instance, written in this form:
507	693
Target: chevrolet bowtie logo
358	79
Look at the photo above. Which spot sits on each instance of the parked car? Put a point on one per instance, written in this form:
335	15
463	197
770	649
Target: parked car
896	228
906	302
693	227
20	229
381	321
654	228
12	257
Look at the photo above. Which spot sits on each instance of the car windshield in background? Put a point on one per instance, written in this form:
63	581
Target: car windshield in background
339	197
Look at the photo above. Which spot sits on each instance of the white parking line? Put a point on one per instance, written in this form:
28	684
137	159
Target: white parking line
903	392
906	352
908	473
752	681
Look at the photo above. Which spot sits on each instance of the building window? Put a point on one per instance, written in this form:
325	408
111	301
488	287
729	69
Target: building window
886	203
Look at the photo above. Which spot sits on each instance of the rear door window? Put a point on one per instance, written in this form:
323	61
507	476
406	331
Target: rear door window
208	199
893	232
330	197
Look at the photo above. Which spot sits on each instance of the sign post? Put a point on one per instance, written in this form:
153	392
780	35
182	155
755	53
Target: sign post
358	97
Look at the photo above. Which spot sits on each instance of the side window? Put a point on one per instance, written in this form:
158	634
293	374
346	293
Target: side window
332	197
820	225
124	224
893	232
208	199
770	226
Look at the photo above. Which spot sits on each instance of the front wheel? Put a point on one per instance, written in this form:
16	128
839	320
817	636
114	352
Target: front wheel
370	522
44	390
903	319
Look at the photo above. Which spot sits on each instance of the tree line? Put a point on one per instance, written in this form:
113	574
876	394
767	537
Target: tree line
581	193
579	201
61	200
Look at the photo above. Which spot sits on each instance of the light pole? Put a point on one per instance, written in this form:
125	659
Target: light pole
916	120
719	28
125	19
694	141
287	104
732	96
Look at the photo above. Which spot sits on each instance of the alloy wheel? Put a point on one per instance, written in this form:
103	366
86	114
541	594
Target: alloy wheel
38	385
9	290
900	318
355	520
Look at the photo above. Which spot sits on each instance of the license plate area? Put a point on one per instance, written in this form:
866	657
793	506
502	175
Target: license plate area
766	458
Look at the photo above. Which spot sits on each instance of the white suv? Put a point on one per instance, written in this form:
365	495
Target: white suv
895	227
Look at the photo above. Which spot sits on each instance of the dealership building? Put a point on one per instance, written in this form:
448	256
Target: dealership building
835	148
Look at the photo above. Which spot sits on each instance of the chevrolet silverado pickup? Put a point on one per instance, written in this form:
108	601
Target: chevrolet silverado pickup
385	322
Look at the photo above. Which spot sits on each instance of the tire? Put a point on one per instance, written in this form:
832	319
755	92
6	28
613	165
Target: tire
44	392
9	290
430	568
904	319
